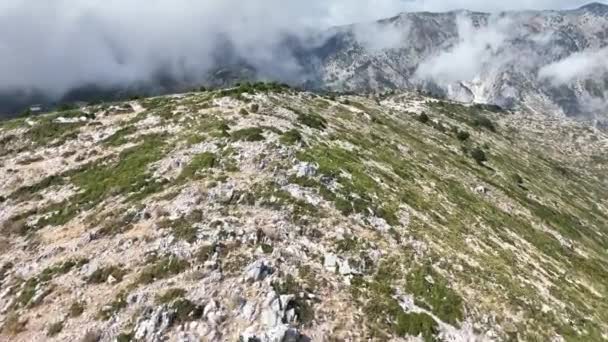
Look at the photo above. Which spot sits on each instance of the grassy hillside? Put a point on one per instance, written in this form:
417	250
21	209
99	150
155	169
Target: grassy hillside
263	213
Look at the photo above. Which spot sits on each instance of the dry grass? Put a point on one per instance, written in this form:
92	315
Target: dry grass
14	325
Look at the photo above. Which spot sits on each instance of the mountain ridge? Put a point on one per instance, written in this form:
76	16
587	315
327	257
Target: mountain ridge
263	213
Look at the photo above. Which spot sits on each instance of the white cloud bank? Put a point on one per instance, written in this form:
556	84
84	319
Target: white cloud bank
578	66
466	60
59	44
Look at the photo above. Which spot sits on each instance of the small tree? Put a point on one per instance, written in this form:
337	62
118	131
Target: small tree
479	155
423	118
484	122
463	135
517	179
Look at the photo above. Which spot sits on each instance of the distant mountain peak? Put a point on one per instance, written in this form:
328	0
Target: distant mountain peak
596	7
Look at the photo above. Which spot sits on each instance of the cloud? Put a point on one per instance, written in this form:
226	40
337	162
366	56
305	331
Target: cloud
578	66
493	5
476	48
376	36
56	45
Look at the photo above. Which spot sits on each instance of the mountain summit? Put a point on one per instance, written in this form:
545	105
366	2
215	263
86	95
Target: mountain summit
596	7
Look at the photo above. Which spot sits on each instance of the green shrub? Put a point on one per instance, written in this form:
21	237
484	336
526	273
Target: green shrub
119	137
46	130
185	310
423	118
266	248
482	121
479	156
463	135
312	120
61	268
170	295
517	179
291	137
76	309
125	337
183	228
54	329
203	161
25	113
102	179
289	285
415	324
205	253
101	275
115	306
248	134
437	296
161	269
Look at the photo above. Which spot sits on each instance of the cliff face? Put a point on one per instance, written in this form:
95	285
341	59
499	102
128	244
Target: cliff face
266	214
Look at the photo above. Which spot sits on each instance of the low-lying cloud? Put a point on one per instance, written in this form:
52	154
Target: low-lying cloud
576	67
54	46
466	60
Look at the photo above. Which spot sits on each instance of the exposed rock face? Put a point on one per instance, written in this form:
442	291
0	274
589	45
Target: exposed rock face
509	59
316	218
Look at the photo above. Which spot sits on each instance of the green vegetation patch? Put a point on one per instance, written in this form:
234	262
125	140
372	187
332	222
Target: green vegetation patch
61	268
479	156
484	122
165	267
248	134
184	228
200	162
109	310
120	136
303	309
97	182
76	309
463	135
253	88
54	329
312	120
383	312
291	137
185	310
272	196
28	291
431	291
102	274
47	130
170	295
359	192
35	289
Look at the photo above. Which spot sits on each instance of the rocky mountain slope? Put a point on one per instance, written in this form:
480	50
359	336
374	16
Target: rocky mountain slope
511	59
260	213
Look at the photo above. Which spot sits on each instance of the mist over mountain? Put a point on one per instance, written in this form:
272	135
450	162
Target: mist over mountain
547	61
103	51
